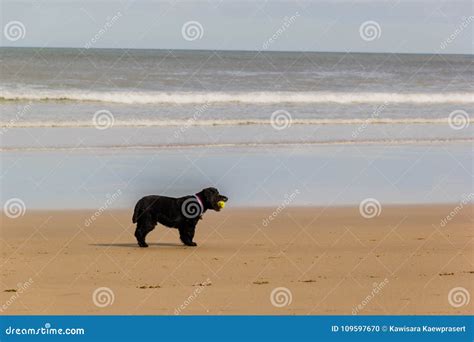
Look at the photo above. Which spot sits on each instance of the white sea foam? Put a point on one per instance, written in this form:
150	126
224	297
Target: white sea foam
158	97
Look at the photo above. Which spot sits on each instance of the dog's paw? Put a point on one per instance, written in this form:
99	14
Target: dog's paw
143	244
191	244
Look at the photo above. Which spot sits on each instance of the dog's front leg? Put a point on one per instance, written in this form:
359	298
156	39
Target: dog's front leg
186	234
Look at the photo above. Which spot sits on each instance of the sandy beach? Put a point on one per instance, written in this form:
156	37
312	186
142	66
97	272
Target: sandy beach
315	261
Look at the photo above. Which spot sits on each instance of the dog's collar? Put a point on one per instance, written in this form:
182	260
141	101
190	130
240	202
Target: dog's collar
200	202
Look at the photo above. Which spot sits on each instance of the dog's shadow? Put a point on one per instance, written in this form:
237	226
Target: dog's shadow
134	245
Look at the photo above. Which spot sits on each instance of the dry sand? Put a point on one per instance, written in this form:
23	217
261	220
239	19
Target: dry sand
329	260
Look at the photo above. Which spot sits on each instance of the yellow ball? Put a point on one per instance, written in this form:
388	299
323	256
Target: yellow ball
221	204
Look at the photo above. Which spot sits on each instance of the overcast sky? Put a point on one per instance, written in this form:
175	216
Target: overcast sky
414	26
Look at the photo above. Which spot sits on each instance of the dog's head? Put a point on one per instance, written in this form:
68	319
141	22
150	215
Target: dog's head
211	197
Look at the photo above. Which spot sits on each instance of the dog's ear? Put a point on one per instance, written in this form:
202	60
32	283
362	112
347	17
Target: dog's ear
210	198
208	194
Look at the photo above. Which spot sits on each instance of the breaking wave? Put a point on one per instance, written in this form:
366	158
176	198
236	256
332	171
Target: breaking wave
158	97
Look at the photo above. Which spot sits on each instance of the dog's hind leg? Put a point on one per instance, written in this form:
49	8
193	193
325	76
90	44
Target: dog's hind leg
140	236
186	234
143	228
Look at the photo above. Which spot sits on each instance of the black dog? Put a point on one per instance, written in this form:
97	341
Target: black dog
182	213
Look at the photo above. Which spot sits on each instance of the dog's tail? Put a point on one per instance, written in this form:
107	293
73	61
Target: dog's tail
137	212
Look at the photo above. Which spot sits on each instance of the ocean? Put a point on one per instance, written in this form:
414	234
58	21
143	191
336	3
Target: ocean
87	122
